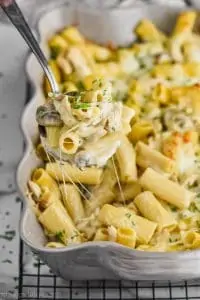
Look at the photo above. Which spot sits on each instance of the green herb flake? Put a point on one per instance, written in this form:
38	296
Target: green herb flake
128	215
198	224
83	105
60	235
192	207
170	240
133	223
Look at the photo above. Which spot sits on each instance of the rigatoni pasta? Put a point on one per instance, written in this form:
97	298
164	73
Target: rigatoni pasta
123	217
66	172
57	222
72	201
125	130
151	209
126	159
126	237
147	157
166	189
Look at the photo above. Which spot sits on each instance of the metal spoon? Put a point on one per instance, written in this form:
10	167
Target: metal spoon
15	15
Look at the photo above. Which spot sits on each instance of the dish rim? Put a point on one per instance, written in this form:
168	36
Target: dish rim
27	141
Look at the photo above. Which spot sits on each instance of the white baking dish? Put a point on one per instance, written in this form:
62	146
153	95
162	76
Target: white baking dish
95	260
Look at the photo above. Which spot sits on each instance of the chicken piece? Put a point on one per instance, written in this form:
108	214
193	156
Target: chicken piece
79	62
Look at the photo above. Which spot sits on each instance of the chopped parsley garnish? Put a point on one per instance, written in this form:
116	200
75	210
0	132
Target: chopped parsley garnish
192	207
81	105
60	235
198	223
128	215
104	92
133	223
173	240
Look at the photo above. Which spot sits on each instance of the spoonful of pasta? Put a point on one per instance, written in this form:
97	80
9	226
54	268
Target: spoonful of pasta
82	128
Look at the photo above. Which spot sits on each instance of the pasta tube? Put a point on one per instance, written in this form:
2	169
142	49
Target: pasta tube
47	198
68	173
191	240
54	245
57	45
79	62
57	74
180	35
72	35
148	32
128	192
126	161
101	235
53	134
126	236
166	189
41	153
127	115
151	209
72	201
124	217
69	142
44	180
104	193
185	22
57	222
161	94
140	131
147	157
64	66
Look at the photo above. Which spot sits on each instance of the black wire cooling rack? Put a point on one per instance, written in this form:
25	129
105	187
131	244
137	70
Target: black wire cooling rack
38	282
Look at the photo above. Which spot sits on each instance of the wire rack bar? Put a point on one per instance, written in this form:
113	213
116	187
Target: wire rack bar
40	283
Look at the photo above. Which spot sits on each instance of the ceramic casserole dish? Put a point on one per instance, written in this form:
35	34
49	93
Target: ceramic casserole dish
94	260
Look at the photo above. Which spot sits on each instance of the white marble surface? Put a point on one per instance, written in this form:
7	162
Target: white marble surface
12	98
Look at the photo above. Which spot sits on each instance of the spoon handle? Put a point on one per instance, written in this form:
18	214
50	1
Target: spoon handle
15	15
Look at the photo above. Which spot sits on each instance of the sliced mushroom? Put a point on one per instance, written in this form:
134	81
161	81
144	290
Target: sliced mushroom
46	115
